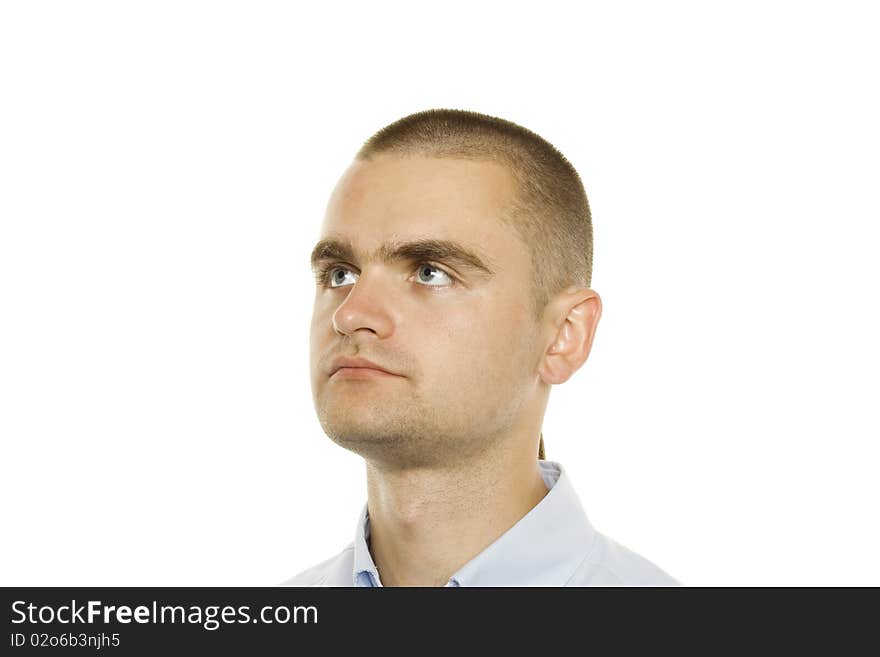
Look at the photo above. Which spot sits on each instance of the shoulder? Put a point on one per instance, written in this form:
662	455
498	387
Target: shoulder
335	571
611	564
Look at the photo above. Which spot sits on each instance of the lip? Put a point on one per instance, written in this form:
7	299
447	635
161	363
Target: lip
357	367
360	373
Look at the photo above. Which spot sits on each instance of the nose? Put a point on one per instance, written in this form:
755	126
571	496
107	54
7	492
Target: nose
365	307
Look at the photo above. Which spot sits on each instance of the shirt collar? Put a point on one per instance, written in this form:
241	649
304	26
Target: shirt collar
544	548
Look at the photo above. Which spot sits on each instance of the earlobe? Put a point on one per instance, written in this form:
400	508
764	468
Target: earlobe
574	337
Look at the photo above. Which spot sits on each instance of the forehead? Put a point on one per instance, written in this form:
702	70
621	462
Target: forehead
391	197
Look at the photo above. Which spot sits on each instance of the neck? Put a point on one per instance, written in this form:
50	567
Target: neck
427	523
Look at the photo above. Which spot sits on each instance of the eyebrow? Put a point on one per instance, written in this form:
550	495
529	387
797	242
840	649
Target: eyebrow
447	251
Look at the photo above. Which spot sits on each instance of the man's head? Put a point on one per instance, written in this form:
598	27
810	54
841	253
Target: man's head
456	253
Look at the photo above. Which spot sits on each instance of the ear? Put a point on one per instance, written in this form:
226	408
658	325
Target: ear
575	315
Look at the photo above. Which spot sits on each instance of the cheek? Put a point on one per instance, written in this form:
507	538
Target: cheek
473	348
503	341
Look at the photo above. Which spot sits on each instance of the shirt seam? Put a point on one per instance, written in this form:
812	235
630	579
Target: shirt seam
614	573
589	553
604	567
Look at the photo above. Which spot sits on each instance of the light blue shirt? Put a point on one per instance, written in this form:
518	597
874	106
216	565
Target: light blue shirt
552	545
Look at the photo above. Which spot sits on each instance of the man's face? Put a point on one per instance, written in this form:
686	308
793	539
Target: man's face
460	340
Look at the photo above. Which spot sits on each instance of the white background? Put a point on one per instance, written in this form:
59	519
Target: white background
164	168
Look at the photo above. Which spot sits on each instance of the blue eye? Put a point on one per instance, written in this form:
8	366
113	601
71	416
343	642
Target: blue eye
332	275
429	268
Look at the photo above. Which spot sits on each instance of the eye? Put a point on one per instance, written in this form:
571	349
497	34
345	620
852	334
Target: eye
333	276
426	269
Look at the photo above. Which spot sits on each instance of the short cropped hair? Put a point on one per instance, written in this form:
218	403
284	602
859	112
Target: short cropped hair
550	212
